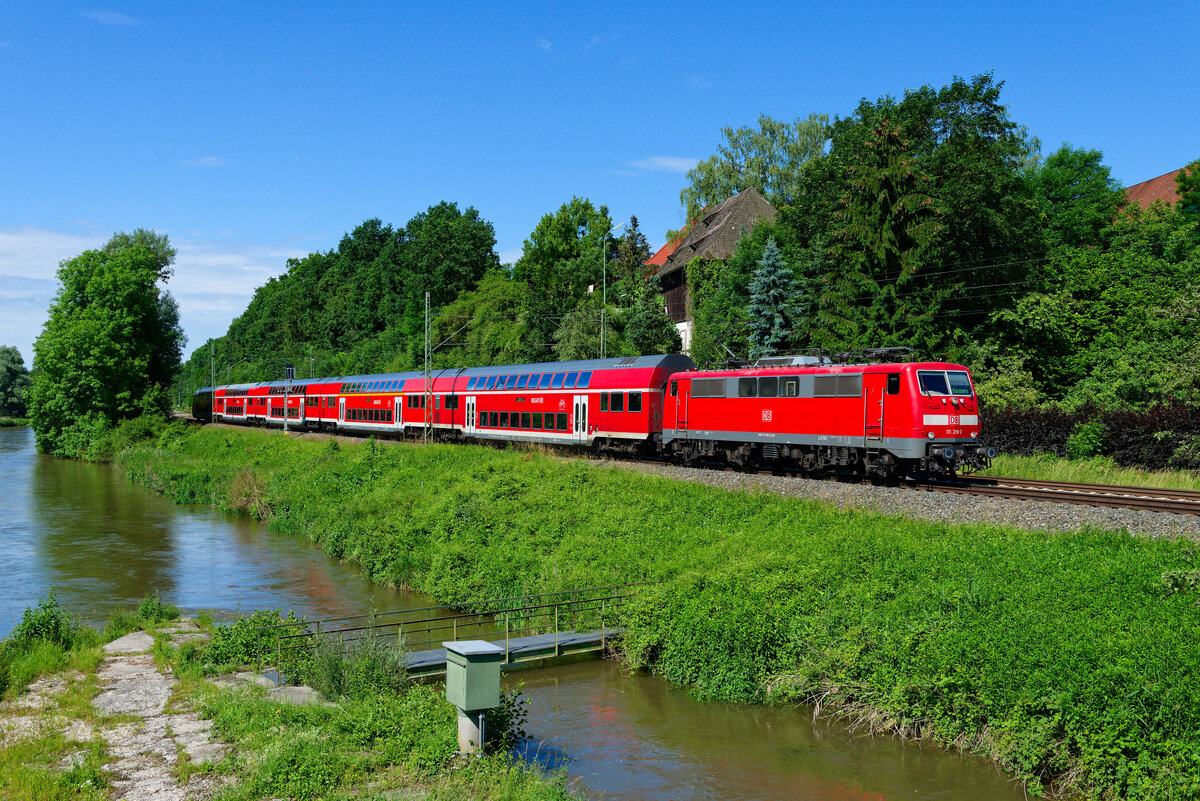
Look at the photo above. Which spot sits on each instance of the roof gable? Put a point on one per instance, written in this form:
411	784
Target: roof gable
1160	188
716	234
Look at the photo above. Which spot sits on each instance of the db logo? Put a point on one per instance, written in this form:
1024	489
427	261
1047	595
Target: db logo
954	419
766	415
562	405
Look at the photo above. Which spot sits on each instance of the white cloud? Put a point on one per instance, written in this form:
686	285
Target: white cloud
543	44
109	18
213	281
206	161
665	164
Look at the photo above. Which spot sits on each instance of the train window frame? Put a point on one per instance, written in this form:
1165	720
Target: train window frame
525	420
768	386
481	421
616	402
545	382
585	378
511	381
503	419
790	386
569	380
674	388
522	380
537	421
893	383
471	383
635	400
604	401
558	381
748	387
493	419
561	421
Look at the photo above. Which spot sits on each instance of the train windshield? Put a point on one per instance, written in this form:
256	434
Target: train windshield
954	382
960	383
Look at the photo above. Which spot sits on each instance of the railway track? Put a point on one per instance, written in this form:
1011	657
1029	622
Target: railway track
1184	502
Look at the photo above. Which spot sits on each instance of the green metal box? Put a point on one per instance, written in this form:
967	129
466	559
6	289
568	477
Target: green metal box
473	674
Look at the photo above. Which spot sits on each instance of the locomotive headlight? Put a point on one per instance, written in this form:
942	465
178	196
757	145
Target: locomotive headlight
974	434
929	434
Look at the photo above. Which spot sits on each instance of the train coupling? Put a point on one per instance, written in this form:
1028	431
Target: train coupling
963	458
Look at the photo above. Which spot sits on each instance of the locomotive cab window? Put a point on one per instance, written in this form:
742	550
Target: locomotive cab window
674	388
747	387
893	384
960	383
790	388
933	383
768	387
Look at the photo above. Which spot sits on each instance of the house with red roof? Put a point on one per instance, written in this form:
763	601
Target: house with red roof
1161	188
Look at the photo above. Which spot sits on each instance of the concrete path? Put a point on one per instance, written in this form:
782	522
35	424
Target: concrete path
149	750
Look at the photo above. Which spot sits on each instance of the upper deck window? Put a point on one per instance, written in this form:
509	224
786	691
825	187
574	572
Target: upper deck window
491	382
512	382
522	381
569	382
471	383
558	381
585	378
545	380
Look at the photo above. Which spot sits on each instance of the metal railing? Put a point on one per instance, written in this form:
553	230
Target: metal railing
500	620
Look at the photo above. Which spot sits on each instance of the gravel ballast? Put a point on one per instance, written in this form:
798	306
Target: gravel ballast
938	506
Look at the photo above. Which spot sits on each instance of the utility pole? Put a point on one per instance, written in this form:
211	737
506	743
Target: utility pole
289	373
428	382
212	355
604	290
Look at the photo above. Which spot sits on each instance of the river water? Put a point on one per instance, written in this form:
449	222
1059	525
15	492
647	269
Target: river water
102	543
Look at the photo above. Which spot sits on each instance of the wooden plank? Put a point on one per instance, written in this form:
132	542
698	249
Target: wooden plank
520	649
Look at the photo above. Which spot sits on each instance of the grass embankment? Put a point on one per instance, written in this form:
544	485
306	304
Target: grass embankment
11	422
381	736
1069	658
1095	470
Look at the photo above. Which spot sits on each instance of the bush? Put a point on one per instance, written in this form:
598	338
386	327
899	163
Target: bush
153	610
239	643
46	622
1087	440
370	665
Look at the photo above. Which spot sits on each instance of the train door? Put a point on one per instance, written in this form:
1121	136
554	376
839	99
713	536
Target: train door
470	419
341	410
581	418
681	405
874	391
398	418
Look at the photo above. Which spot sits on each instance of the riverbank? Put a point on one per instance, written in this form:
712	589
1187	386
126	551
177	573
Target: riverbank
1067	657
155	715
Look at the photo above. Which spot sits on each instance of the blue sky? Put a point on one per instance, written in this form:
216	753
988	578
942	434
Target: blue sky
255	132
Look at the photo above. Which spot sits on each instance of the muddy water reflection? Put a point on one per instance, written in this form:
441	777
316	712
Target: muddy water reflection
103	542
634	736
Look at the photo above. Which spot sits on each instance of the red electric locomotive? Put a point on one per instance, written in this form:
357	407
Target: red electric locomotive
883	419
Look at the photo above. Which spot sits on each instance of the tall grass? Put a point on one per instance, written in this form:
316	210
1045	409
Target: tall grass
1070	658
1094	470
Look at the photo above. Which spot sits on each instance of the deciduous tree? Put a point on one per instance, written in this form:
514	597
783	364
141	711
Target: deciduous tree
14	380
110	347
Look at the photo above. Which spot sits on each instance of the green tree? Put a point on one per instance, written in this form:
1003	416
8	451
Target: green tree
577	228
889	228
110	347
578	334
1187	184
771	158
648	330
771	296
14	380
629	269
1079	197
483	326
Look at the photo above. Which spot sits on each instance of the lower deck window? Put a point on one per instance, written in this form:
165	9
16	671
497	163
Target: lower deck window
504	419
537	421
525	420
493	419
635	401
562	421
